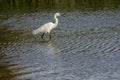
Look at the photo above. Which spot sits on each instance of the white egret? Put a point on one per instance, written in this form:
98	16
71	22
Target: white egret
46	28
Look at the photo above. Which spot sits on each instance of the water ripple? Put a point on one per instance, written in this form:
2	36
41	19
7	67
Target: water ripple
86	49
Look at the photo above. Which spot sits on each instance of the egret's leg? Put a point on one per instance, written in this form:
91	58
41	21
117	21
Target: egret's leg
50	36
43	36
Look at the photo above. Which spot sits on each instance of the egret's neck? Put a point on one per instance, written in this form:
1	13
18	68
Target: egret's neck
56	20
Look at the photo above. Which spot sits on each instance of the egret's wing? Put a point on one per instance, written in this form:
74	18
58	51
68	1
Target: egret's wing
43	28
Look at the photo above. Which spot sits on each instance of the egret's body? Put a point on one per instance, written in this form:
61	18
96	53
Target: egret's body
46	28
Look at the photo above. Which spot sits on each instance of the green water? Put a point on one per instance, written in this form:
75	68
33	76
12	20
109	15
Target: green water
19	6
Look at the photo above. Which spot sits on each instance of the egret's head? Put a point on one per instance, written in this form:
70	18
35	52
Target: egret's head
57	14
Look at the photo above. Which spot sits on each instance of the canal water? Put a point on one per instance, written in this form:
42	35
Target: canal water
84	46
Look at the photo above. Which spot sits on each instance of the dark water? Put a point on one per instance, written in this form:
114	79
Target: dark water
84	46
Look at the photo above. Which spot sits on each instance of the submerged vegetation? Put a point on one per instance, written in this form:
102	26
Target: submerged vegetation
43	5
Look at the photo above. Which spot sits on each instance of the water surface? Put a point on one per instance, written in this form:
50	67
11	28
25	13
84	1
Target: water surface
84	46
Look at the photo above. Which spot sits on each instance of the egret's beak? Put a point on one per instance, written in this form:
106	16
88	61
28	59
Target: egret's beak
63	15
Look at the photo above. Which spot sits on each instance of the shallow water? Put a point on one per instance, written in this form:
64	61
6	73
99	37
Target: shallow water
84	46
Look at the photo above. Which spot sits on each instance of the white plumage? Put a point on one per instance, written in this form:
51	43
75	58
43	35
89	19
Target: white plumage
46	28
